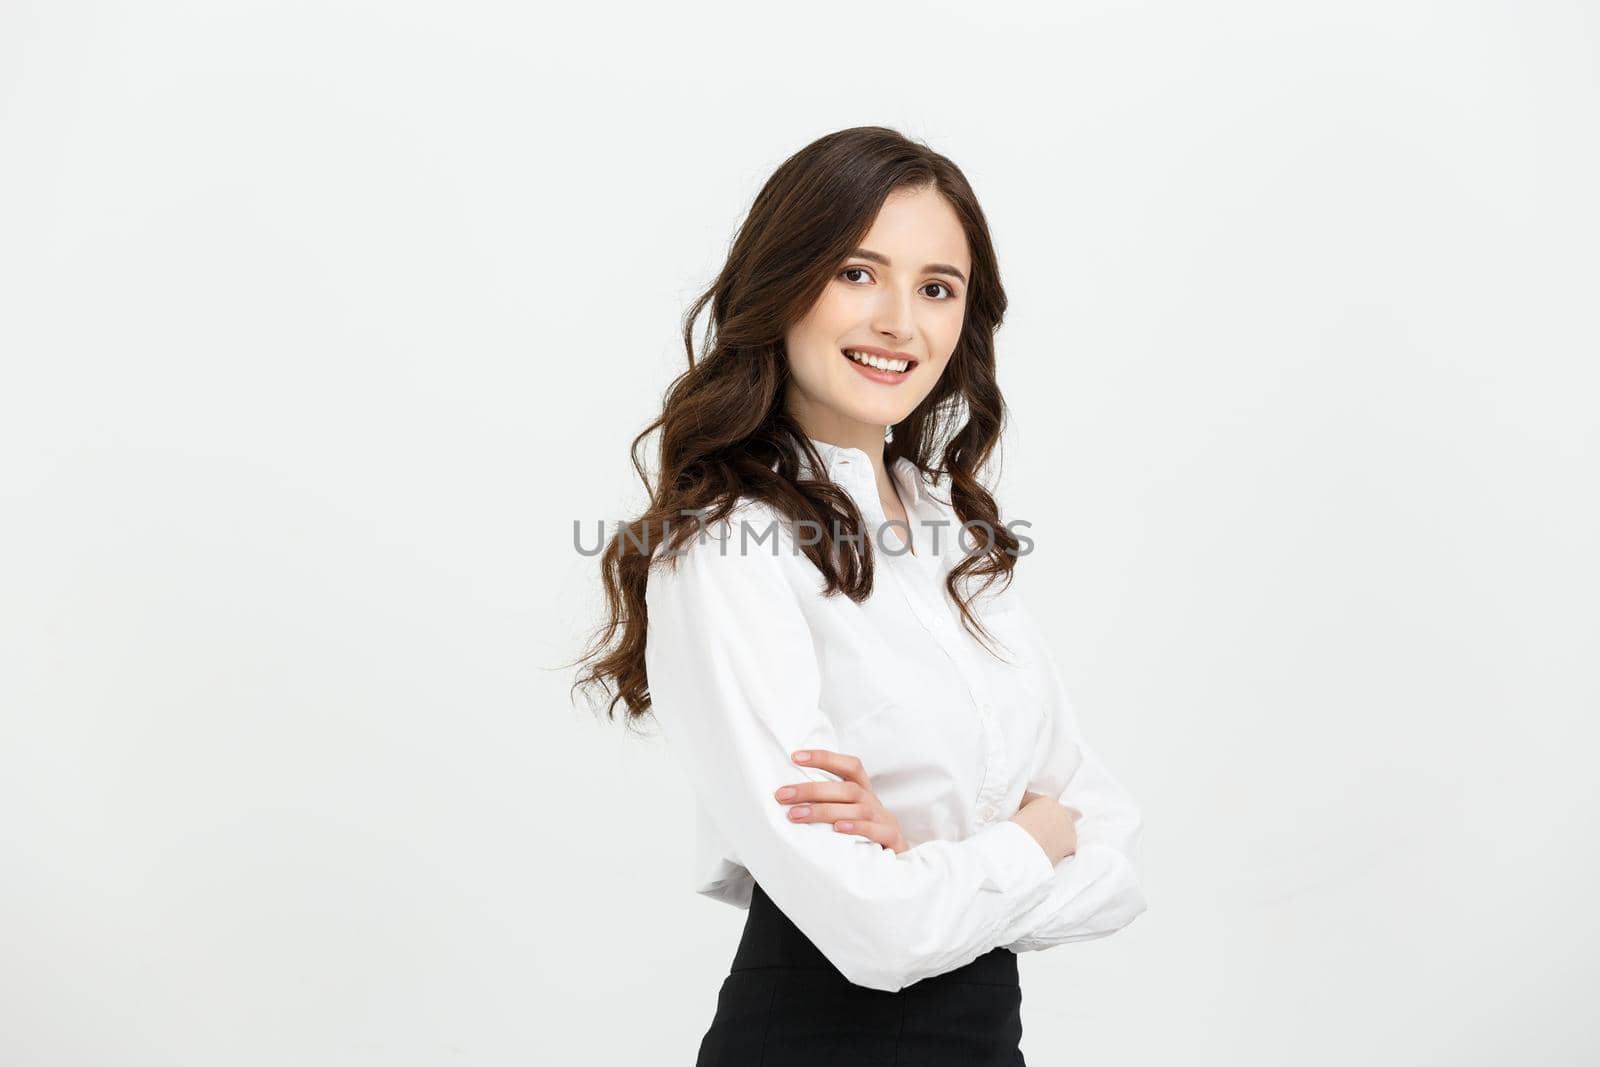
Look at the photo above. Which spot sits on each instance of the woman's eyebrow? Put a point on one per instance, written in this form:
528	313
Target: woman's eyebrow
931	268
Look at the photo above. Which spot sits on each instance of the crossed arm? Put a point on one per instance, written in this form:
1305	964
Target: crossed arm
737	706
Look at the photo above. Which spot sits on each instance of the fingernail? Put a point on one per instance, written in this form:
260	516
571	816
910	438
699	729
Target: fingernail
800	812
801	757
845	825
786	792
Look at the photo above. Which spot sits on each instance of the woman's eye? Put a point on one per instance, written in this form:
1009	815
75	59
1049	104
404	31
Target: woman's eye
949	293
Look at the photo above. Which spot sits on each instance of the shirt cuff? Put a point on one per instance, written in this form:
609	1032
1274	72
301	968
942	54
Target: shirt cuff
1014	860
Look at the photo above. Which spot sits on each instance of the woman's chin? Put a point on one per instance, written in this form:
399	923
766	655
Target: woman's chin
876	415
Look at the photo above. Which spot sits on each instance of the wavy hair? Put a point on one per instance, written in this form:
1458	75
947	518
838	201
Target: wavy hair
725	432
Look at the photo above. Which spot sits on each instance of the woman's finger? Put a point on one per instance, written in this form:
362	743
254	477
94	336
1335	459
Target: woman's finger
829	812
847	767
805	792
882	833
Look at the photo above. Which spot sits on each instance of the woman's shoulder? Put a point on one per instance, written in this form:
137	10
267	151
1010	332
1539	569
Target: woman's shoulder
753	544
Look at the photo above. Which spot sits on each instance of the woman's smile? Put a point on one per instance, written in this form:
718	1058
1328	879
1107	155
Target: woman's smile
876	366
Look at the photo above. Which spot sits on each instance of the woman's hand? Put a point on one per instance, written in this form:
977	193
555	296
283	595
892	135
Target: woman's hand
1051	823
850	805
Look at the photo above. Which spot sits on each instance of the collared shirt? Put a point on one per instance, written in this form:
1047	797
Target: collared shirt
748	662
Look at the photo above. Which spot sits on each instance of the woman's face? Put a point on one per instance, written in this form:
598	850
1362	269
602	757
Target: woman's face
903	292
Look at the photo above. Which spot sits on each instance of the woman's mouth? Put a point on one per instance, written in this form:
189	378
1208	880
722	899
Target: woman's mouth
878	368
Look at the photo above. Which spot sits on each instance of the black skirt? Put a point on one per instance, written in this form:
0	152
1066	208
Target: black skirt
784	1004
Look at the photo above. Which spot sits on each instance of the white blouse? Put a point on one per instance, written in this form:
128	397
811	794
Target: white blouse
747	663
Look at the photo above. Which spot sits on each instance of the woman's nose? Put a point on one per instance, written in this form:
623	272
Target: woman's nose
894	317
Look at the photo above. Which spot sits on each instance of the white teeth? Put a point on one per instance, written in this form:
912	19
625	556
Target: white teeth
877	361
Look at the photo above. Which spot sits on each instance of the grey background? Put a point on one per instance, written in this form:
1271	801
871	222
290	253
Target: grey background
322	322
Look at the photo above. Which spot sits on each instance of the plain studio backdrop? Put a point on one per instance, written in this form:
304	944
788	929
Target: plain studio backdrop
323	323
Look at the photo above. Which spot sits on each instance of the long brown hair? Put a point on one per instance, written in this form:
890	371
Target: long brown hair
725	433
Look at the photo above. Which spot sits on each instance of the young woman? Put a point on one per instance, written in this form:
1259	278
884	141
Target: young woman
817	611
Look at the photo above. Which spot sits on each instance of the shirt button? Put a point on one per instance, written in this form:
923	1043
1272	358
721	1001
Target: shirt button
988	811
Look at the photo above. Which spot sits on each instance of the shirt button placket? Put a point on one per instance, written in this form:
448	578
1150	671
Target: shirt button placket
993	788
948	635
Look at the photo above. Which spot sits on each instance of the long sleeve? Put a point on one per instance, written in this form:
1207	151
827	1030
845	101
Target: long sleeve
735	687
1097	890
